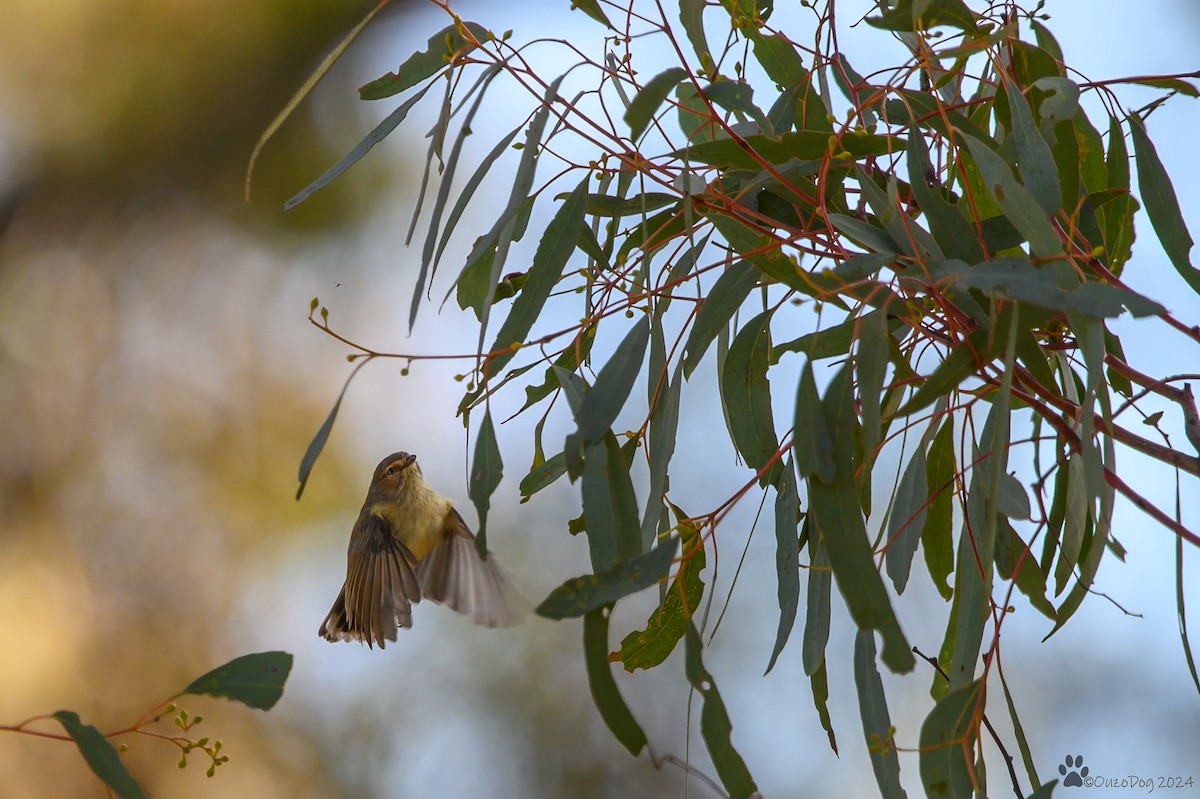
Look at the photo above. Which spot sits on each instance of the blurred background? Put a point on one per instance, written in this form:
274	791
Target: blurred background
159	383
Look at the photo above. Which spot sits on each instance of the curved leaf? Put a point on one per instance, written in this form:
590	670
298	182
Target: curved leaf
747	395
608	699
254	680
645	105
876	721
715	726
487	469
425	63
101	756
583	594
727	295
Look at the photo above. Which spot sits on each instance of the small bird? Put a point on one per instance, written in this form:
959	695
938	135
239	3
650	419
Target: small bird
410	543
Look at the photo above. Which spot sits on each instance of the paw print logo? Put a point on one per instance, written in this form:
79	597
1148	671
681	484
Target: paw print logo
1072	771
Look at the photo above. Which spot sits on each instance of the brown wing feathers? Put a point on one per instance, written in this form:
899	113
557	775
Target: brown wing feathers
379	591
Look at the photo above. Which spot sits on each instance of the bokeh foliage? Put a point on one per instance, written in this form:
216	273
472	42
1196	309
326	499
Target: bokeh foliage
956	227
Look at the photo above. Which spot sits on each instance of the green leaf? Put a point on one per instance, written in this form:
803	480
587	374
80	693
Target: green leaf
715	726
954	233
254	680
428	262
613	385
871	363
663	425
583	594
101	756
906	521
820	691
836	512
645	105
608	206
310	83
876	721
1015	562
377	134
1019	279
747	395
806	145
609	504
423	64
1162	205
947	743
593	10
318	442
936	537
915	15
1035	161
979	348
738	97
691	16
778	58
812	440
787	559
645	649
826	343
467	192
608	699
542	475
553	252
487	469
816	620
1018	205
722	302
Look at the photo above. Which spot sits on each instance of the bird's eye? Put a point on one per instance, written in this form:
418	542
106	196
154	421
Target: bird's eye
391	471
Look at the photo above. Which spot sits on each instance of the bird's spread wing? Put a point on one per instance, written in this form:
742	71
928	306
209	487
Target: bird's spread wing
453	574
380	588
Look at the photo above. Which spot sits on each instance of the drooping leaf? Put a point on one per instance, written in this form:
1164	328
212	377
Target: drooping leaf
487	469
691	16
836	512
504	231
318	442
609	504
442	45
542	475
309	84
812	439
101	756
644	649
936	537
1035	161
612	707
377	134
602	404
645	105
947	742
816	620
1018	204
580	595
722	302
254	680
715	726
819	681
553	252
1162	205
664	423
876	721
953	232
907	519
747	395
787	558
